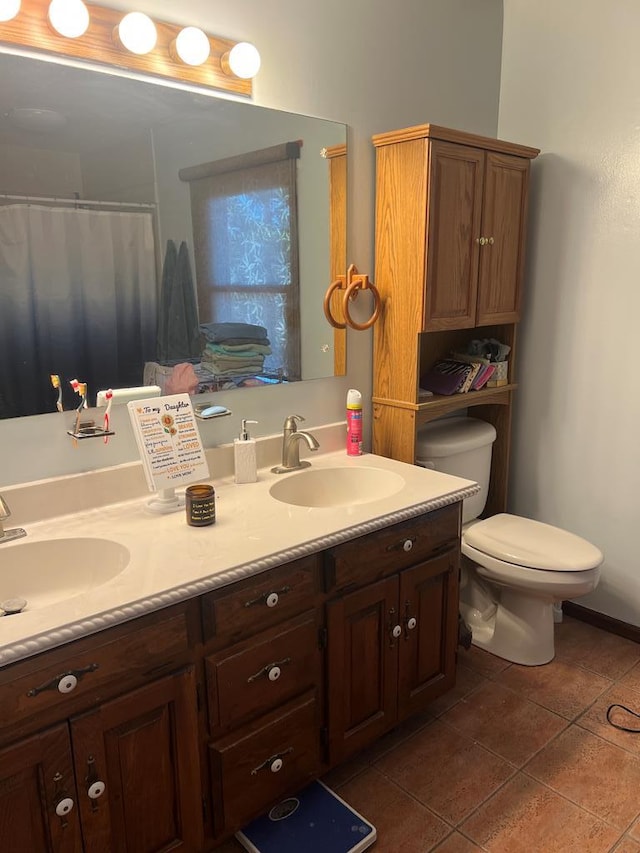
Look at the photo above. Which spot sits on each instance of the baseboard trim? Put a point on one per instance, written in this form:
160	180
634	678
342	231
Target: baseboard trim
601	620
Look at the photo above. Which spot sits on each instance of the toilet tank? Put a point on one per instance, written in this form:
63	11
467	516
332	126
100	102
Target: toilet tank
460	446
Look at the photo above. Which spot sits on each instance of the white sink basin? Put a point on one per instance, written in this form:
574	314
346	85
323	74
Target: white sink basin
54	570
334	487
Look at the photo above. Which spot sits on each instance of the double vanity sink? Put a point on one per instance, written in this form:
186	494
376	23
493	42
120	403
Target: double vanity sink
112	562
216	670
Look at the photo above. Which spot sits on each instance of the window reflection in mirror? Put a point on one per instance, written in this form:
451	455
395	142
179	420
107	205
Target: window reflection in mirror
90	201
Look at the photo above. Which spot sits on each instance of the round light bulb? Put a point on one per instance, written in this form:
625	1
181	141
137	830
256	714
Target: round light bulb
244	60
70	18
192	46
9	9
137	32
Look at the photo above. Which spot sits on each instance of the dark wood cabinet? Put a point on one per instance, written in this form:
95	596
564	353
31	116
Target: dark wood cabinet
391	643
38	799
174	730
137	770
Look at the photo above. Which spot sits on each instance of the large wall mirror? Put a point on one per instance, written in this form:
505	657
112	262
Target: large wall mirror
153	235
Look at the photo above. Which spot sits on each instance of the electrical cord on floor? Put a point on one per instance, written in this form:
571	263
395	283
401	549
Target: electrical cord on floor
617	725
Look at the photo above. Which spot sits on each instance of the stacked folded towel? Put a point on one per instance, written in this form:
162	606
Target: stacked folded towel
234	349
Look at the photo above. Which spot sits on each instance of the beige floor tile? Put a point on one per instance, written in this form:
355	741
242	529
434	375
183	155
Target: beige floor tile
505	722
401	822
632	678
467	680
597	650
445	770
627	845
595	718
634	832
457	843
592	773
561	687
482	662
525	816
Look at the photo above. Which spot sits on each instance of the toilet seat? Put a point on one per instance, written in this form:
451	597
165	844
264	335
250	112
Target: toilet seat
530	544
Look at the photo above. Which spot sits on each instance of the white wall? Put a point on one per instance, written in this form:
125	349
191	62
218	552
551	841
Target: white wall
373	64
570	86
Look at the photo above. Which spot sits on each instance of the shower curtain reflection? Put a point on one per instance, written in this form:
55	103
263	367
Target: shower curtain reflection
77	298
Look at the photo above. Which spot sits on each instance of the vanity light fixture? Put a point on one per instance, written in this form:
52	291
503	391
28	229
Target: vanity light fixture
191	46
69	18
9	9
137	32
86	31
243	60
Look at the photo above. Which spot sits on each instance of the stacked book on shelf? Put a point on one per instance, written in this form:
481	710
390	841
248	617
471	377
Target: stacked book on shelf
461	373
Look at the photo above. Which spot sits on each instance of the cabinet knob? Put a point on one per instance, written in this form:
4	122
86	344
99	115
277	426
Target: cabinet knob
272	599
274	673
482	241
491	241
276	765
67	683
396	632
64	806
411	623
407	545
96	789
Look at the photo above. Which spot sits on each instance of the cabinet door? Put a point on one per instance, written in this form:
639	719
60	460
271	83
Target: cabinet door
362	667
453	250
503	225
137	770
429	619
36	776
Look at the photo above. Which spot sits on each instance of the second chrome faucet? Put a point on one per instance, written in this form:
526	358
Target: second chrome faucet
291	438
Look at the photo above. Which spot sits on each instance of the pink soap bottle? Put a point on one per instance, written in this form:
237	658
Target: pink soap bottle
354	423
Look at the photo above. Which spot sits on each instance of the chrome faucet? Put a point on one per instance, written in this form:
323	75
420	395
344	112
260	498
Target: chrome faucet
291	438
15	532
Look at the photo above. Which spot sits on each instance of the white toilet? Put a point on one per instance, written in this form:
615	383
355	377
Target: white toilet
517	569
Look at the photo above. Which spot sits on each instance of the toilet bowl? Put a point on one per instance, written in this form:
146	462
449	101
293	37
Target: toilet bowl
514	569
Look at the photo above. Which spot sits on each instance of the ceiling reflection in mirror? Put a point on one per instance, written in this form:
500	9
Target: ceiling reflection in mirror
146	237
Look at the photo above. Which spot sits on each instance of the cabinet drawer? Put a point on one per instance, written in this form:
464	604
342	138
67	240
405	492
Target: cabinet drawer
70	679
385	551
255	678
260	602
253	768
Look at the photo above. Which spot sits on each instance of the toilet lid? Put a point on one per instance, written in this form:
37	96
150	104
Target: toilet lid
532	544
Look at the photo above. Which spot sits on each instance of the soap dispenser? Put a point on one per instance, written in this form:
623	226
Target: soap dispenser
244	455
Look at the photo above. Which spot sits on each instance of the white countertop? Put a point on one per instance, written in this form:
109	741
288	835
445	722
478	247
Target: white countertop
171	561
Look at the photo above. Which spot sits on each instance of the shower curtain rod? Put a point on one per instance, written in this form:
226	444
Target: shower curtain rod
78	202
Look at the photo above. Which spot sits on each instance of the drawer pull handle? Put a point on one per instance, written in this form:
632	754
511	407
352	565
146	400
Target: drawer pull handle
273	671
268	598
274	763
66	682
405	545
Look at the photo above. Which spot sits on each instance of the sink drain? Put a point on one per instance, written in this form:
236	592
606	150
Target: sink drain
12	606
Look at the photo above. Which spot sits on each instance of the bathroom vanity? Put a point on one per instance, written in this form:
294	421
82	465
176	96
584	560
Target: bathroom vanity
224	667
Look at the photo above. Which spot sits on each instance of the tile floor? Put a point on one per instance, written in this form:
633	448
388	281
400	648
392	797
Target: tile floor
513	760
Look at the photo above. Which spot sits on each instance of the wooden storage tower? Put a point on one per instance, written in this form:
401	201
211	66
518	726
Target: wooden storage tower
451	211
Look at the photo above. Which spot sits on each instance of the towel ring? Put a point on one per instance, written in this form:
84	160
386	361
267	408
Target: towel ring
352	282
336	285
365	284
